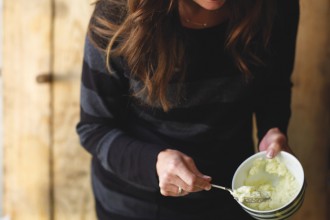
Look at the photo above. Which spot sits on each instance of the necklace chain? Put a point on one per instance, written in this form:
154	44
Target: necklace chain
195	23
204	24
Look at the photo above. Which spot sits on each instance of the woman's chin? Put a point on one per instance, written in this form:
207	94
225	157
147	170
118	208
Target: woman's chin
211	5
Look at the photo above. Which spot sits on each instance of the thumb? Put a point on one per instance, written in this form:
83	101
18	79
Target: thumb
273	149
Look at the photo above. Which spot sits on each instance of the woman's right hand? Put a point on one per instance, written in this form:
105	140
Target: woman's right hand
178	174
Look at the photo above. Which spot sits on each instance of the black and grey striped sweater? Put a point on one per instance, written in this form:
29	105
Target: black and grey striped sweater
212	123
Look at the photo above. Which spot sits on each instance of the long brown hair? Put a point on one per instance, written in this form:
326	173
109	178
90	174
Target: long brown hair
141	31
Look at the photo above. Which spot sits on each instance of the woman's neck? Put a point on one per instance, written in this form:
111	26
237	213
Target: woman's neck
194	16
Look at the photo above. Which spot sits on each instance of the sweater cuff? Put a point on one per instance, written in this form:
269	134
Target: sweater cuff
135	161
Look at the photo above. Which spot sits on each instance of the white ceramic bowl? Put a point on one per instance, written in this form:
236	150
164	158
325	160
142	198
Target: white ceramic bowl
290	207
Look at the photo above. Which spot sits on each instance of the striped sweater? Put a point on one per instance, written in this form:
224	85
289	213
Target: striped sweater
212	123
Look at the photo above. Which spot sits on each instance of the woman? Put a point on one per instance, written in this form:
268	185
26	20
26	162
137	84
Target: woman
168	91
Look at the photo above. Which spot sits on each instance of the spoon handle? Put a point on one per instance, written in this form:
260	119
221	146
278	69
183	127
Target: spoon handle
221	187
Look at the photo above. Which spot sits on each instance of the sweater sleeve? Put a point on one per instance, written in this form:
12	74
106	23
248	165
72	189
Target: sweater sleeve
274	97
101	129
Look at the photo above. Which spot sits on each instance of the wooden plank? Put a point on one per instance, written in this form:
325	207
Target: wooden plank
72	187
310	124
27	52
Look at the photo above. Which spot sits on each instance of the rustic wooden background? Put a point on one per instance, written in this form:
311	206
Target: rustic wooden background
309	131
46	172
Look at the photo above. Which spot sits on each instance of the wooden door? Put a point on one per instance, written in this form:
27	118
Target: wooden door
71	164
27	112
46	172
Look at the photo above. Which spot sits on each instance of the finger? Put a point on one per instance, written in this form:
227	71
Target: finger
190	187
273	150
175	181
195	182
178	182
272	135
173	190
206	180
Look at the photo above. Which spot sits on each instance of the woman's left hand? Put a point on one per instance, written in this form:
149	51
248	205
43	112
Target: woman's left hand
274	142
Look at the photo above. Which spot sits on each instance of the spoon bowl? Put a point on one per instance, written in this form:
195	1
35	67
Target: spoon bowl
256	197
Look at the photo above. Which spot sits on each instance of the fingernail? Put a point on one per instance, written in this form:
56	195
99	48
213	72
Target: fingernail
270	153
206	177
208	188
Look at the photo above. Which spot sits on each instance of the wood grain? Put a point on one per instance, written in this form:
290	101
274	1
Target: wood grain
27	137
71	164
310	123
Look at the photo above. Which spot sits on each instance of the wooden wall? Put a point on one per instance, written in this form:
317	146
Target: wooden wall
309	130
27	134
71	164
46	172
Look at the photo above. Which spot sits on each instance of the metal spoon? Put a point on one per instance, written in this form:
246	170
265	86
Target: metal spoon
258	199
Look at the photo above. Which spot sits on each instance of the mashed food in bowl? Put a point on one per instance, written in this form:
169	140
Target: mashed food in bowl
271	178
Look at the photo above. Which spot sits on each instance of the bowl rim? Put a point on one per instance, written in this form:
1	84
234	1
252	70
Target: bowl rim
262	154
